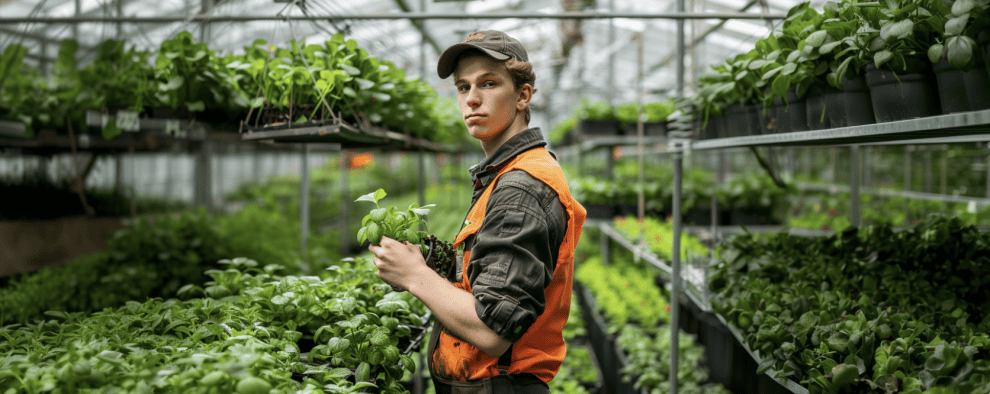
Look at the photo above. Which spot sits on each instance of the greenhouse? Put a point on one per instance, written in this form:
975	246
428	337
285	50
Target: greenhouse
495	196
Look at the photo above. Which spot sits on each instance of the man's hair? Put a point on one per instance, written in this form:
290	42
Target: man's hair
521	72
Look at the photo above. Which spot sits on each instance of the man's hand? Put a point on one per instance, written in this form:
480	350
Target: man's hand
398	263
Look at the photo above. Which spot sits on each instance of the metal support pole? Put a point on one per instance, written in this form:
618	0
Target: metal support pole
867	173
928	170
118	173
943	185
120	14
421	181
719	180
345	237
908	151
675	291
854	213
835	165
611	56
304	201
75	26
680	90
203	185
204	26
640	197
988	174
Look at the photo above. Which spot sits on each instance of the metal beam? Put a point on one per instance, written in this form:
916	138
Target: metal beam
420	26
393	16
697	40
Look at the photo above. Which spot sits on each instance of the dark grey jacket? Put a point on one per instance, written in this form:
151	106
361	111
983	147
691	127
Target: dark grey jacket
514	253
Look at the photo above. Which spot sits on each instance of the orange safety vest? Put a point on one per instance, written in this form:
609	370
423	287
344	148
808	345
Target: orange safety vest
541	350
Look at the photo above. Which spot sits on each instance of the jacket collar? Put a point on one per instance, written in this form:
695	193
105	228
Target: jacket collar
482	173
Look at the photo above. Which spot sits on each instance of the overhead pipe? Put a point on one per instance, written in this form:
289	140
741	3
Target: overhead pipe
397	16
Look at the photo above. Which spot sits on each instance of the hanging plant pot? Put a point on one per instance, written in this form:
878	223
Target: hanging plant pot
851	106
962	90
906	95
814	110
736	121
599	127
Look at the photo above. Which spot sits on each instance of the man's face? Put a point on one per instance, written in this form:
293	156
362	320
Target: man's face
485	92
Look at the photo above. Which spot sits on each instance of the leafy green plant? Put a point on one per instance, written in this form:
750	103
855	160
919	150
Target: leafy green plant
908	306
659	236
246	335
191	78
964	20
386	222
637	310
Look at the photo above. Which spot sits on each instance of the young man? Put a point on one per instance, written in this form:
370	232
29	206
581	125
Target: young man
499	325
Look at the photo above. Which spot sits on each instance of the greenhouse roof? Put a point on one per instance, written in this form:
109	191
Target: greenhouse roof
567	70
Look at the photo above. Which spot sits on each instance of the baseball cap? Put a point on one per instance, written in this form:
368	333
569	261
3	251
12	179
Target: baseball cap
493	43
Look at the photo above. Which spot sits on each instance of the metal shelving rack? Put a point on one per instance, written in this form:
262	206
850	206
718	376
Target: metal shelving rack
345	137
960	127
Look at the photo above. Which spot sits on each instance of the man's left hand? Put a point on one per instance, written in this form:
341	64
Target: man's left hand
398	263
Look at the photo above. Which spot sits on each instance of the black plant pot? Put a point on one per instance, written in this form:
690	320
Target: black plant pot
790	116
983	42
747	216
602	343
757	121
628	209
599	127
736	121
651	129
698	217
962	90
908	95
814	110
167	112
722	126
600	211
852	106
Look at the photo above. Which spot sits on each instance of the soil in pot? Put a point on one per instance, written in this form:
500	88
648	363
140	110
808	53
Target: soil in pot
736	121
962	90
441	257
906	95
852	106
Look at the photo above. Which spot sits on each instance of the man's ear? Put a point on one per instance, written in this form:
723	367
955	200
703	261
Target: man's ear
525	94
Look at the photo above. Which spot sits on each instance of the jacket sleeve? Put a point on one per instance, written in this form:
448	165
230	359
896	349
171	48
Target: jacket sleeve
511	259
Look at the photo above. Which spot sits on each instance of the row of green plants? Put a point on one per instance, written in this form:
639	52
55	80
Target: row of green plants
751	191
815	51
153	256
246	331
658	236
638	310
867	310
831	212
185	78
625	114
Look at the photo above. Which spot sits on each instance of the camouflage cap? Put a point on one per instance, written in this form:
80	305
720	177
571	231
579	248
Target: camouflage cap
493	43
